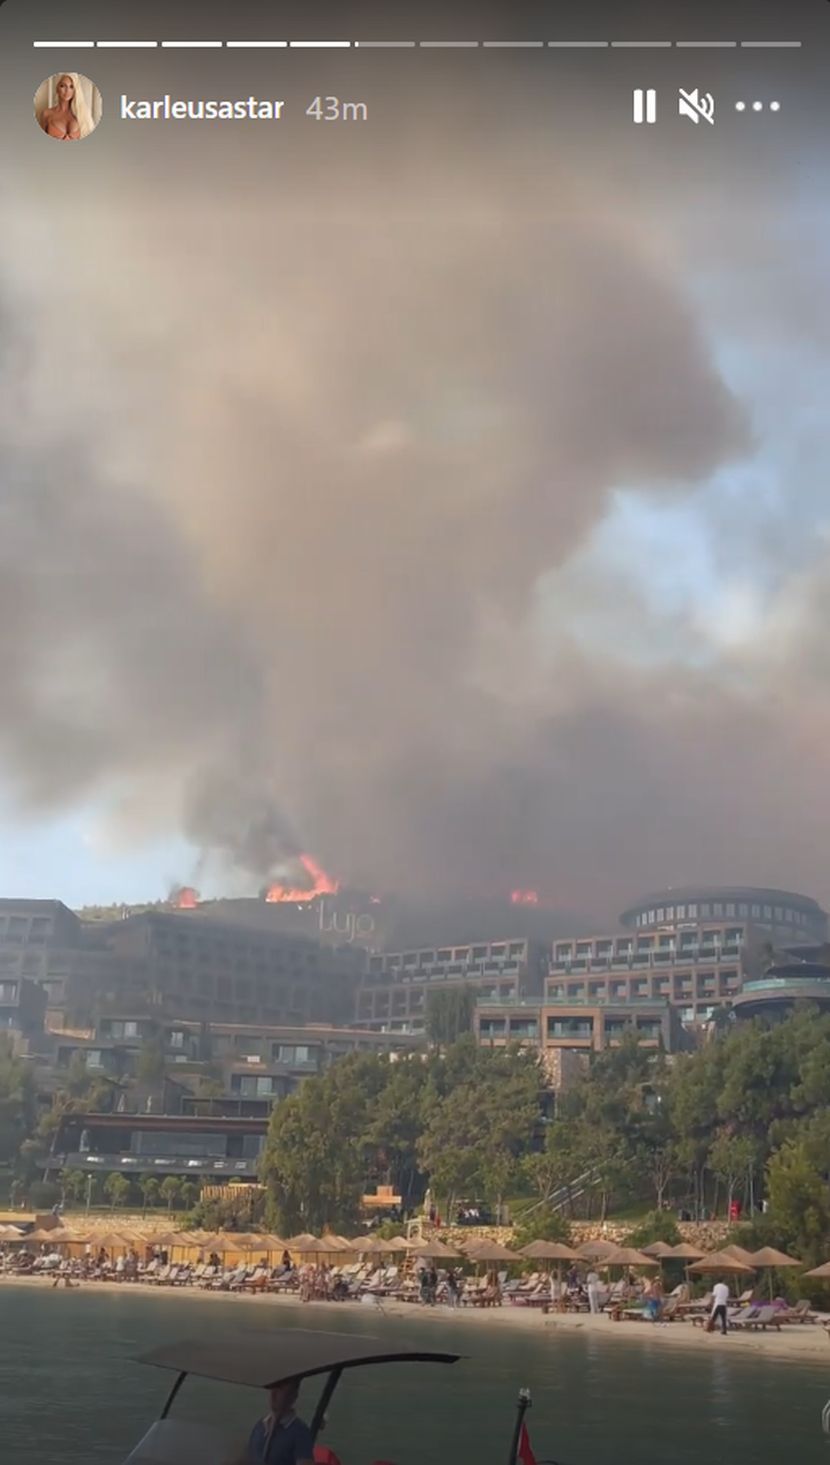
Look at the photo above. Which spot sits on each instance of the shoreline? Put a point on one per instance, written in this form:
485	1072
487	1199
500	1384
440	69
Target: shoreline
804	1343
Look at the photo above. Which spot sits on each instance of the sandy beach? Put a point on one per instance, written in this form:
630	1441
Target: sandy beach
806	1343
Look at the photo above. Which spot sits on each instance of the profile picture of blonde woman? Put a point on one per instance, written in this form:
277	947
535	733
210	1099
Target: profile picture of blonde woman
68	106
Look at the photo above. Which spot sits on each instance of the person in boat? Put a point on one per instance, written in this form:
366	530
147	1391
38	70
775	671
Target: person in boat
281	1437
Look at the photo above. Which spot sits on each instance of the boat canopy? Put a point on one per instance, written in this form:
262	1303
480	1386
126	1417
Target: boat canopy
268	1360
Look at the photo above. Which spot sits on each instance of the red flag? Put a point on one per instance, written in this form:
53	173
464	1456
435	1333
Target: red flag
524	1453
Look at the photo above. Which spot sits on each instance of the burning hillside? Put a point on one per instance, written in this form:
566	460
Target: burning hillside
317	883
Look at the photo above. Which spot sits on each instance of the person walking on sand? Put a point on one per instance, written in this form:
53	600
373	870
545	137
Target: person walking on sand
720	1301
593	1291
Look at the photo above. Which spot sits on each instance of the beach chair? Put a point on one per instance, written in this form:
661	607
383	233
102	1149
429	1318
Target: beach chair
800	1313
256	1280
762	1317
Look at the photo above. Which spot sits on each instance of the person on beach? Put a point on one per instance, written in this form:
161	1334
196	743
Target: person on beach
593	1291
720	1301
281	1437
452	1287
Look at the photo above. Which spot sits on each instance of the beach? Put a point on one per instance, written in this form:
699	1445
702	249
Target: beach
808	1343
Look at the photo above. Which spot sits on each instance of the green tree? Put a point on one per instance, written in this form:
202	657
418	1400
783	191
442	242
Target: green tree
555	1168
477	1134
394	1124
449	1014
189	1194
150	1192
117	1189
73	1183
541	1225
170	1190
17	1101
150	1066
316	1159
732	1158
656	1226
799	1203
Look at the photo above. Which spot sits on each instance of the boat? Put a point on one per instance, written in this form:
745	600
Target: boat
257	1363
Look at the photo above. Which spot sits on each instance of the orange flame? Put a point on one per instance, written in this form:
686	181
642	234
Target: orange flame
185	898
320	884
524	897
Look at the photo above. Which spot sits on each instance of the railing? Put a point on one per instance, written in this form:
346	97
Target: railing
819	983
643	959
93	1163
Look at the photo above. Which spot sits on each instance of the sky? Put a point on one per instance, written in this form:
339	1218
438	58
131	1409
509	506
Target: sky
365	496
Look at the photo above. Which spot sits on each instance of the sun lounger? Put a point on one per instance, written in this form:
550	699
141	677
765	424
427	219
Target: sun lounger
800	1313
762	1317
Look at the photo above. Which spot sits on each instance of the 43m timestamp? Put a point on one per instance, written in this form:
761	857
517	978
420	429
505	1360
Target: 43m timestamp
334	109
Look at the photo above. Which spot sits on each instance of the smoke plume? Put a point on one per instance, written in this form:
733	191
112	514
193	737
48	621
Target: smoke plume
298	501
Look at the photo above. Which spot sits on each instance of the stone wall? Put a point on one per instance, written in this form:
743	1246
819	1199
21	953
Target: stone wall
708	1235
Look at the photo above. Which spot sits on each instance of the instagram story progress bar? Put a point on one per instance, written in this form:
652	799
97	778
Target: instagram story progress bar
645	105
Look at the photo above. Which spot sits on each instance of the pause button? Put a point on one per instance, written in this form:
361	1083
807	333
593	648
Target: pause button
645	105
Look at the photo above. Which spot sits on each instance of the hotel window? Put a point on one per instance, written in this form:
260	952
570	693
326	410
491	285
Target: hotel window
779	914
570	1027
661	914
492	1027
681	913
767	912
652	916
693	912
8	991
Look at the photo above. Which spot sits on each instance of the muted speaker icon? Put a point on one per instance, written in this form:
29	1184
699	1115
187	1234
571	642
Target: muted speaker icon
697	106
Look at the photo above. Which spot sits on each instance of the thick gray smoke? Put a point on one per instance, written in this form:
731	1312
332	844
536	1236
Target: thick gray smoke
275	516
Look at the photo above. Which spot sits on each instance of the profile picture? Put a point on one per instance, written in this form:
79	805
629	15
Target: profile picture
68	106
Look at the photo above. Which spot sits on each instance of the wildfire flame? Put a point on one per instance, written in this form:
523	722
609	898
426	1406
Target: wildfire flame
319	884
185	898
524	897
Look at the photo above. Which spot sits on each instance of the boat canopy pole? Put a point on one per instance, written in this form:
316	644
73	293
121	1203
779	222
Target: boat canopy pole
522	1406
323	1403
171	1396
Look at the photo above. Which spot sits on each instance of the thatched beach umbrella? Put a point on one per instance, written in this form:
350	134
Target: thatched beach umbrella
336	1244
823	1271
660	1249
771	1260
396	1244
48	1235
307	1245
596	1251
492	1251
370	1245
740	1254
435	1249
629	1256
720	1261
684	1252
549	1251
